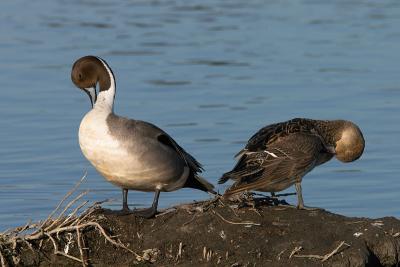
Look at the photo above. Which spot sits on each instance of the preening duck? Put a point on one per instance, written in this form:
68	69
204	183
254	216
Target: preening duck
281	154
131	154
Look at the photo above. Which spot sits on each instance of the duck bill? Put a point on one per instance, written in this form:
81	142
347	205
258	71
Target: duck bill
91	92
331	149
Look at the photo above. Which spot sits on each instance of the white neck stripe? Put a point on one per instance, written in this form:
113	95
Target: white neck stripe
105	99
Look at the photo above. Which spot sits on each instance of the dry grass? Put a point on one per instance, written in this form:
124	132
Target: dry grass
56	226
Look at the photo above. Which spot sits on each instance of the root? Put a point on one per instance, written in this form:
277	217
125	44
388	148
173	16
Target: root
2	258
239	223
294	251
322	258
78	236
58	252
57	225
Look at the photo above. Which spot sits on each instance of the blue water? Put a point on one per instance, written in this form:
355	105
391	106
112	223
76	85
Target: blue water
210	73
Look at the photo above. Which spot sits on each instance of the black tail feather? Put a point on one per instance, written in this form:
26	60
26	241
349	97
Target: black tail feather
197	182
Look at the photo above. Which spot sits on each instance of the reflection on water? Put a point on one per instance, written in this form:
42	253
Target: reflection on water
168	83
210	74
216	63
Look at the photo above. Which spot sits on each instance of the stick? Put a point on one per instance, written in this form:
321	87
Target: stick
191	220
285	195
326	256
88	212
25	227
65	209
6	232
64	198
239	223
310	256
164	212
78	236
295	250
57	252
234	212
354	222
280	254
334	251
71	216
179	254
2	259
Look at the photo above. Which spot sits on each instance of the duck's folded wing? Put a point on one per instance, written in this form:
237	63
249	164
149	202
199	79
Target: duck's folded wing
270	133
145	132
259	140
290	157
194	180
153	132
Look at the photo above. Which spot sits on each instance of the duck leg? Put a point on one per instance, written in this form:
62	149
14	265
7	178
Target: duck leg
149	212
300	201
125	208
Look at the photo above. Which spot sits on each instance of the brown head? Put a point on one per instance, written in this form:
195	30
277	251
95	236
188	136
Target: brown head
87	72
350	142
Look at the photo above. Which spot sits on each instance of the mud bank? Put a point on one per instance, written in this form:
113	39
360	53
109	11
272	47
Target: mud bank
212	233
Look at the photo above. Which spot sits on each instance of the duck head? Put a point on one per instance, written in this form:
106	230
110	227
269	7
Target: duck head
350	142
89	71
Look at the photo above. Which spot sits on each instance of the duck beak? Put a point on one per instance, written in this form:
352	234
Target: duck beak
331	149
91	92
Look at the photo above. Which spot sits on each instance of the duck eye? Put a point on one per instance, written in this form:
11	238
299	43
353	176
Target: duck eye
80	76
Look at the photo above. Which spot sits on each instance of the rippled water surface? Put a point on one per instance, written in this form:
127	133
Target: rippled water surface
210	73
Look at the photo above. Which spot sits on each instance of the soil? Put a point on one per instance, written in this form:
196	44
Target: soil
220	233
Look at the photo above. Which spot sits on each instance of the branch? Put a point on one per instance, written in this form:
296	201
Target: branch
326	256
62	200
239	223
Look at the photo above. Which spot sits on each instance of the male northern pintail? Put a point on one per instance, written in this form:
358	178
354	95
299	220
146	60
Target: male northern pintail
131	154
280	154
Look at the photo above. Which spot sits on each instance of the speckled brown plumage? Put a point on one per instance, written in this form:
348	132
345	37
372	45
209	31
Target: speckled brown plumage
280	154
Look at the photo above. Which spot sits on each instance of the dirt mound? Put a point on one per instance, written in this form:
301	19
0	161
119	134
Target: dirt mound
210	233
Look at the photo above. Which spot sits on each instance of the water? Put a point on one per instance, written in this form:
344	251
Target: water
210	73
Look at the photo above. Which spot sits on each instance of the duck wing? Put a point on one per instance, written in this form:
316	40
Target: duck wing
270	133
136	132
285	160
194	180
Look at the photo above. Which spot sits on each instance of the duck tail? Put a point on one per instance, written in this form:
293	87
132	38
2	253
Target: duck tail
240	153
198	182
225	177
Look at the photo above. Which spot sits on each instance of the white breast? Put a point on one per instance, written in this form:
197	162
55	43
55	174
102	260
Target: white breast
98	146
119	166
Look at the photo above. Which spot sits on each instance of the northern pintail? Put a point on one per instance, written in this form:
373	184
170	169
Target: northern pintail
280	154
131	154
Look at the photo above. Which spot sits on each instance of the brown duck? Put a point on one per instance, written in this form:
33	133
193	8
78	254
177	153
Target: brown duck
280	154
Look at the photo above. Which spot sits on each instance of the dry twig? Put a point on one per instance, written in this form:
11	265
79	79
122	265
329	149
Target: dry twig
58	252
78	236
239	223
326	256
63	200
2	259
64	210
280	254
72	215
88	212
165	212
179	254
294	251
191	220
61	225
